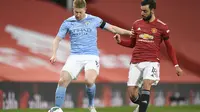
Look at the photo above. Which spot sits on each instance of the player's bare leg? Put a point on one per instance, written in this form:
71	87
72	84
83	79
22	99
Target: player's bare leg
145	94
133	92
90	77
65	79
134	96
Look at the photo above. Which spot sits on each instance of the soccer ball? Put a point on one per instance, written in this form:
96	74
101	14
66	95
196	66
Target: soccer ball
55	109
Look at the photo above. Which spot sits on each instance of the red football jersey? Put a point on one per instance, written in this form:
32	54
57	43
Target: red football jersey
149	36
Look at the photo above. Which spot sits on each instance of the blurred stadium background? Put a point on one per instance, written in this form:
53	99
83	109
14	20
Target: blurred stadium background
28	80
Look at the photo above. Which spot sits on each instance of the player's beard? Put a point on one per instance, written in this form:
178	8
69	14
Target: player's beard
148	17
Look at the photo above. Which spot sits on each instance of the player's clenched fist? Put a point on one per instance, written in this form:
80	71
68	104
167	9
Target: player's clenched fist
53	59
117	38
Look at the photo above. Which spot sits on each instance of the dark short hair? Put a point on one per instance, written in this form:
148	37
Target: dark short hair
151	3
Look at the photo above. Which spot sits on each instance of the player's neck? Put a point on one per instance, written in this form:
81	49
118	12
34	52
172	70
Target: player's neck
85	16
152	18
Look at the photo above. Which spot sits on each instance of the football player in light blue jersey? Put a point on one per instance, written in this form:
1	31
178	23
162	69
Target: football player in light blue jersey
84	53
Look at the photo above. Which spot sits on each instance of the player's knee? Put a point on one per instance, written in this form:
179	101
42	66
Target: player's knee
65	79
147	84
133	92
89	81
90	77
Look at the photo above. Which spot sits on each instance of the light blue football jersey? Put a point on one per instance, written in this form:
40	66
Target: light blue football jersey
83	34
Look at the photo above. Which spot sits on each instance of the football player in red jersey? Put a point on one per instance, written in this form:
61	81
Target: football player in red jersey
149	32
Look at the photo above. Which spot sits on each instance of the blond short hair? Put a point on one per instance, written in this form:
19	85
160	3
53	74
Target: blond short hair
79	4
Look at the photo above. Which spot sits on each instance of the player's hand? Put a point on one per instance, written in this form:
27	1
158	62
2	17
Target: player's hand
131	33
53	59
179	71
117	38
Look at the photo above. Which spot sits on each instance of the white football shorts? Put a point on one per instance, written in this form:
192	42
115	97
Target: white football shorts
75	63
143	70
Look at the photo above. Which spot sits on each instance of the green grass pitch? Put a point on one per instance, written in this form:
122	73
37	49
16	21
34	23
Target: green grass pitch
122	109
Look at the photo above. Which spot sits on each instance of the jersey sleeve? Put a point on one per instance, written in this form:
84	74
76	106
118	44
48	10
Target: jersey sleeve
166	32
130	42
100	23
63	29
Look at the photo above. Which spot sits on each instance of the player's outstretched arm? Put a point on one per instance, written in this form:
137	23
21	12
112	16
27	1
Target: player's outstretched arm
55	46
129	42
118	30
172	55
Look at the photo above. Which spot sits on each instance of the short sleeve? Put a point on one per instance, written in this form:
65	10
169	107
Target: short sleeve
100	23
63	30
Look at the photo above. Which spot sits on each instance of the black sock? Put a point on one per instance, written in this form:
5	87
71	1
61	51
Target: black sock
144	100
136	100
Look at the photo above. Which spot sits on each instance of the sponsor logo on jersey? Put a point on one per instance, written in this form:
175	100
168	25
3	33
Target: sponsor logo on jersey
146	36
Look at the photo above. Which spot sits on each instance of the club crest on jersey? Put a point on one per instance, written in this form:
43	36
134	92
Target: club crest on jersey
87	23
154	30
146	36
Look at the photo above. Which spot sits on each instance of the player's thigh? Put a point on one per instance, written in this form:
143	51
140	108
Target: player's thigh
92	67
134	76
65	79
151	73
73	66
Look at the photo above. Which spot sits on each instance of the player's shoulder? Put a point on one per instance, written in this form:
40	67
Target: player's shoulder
162	25
161	22
89	16
70	19
138	21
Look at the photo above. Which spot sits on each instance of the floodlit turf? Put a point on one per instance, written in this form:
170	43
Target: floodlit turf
122	109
